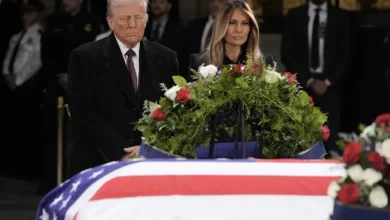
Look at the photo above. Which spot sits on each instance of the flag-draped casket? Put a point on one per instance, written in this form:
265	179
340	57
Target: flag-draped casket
167	189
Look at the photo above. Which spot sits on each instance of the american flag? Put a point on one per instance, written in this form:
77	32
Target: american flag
173	189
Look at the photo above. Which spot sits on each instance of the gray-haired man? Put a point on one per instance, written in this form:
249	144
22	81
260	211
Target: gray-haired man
109	80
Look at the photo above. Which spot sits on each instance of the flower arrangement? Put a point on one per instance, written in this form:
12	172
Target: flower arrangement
367	164
286	119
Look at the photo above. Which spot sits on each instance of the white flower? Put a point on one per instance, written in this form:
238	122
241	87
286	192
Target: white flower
333	189
368	132
378	197
172	92
371	176
386	148
208	71
271	78
378	148
355	172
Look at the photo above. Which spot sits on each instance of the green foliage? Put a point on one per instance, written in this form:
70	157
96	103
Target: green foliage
287	122
361	127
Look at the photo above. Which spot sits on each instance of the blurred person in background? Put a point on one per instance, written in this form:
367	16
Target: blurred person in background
10	24
20	71
161	28
199	30
316	46
64	31
368	78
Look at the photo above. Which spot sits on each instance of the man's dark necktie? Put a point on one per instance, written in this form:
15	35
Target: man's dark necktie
315	57
15	53
130	67
155	36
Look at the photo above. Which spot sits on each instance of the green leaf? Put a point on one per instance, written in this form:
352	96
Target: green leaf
180	81
142	128
304	97
362	127
341	144
241	82
152	106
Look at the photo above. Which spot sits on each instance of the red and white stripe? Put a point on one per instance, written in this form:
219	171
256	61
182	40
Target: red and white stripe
266	189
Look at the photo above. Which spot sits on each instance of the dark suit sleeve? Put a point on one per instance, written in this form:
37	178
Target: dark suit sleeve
88	123
175	68
288	57
344	50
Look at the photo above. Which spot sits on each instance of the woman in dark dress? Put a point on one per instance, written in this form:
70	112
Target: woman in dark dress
235	34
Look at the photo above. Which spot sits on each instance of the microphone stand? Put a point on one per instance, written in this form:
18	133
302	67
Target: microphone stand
242	128
256	134
213	134
239	109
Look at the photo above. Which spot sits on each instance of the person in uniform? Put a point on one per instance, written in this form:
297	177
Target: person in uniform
64	32
20	71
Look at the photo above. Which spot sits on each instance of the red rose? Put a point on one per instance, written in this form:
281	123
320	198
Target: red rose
235	74
352	152
183	95
349	193
383	118
239	68
325	132
377	161
311	100
159	115
292	79
257	67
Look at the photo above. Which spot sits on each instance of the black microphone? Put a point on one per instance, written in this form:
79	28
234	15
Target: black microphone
269	61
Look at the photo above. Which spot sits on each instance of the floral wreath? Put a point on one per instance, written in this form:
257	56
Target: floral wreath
367	165
286	119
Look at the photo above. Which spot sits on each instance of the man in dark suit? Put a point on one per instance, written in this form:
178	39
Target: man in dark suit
109	81
316	46
199	30
163	29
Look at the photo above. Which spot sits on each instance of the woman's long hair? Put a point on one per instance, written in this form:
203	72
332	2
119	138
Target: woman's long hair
215	50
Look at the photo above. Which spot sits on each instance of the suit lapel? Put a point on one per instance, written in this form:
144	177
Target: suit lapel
117	68
330	23
149	69
305	31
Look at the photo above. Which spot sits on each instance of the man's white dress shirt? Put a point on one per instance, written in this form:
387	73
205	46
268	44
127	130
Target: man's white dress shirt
323	16
124	50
